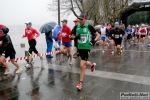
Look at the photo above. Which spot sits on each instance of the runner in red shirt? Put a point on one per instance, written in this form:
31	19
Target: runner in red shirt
31	34
66	42
143	32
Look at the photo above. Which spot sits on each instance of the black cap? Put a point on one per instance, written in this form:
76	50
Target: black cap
5	30
64	20
82	16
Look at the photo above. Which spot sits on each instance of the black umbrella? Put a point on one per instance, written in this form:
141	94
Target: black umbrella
47	27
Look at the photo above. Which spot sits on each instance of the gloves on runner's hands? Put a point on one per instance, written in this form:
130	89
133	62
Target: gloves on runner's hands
76	37
93	42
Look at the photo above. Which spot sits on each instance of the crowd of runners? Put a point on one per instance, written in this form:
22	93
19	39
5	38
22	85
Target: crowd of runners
85	36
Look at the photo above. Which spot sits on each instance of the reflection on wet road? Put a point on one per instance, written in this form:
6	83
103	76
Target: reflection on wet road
55	79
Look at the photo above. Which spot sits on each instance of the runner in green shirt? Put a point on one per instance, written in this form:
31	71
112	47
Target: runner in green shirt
82	32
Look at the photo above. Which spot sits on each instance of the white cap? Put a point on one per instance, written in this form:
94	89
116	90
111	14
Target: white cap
142	25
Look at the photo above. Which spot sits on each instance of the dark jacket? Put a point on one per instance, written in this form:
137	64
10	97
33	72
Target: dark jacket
48	36
117	31
1	50
7	45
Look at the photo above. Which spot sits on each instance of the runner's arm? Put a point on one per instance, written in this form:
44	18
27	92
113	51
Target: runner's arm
123	32
37	33
24	35
7	41
107	32
140	31
73	32
94	32
112	33
68	32
146	31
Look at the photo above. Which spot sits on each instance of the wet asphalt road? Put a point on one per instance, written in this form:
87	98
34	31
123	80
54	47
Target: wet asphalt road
55	79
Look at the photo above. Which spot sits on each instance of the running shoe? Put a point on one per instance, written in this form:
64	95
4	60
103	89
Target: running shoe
93	67
18	71
28	65
112	52
7	72
119	53
70	62
79	86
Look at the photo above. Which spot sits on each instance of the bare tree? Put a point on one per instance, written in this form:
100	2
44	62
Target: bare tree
107	11
113	9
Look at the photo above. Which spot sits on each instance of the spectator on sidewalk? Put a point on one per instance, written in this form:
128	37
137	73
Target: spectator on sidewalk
58	40
49	42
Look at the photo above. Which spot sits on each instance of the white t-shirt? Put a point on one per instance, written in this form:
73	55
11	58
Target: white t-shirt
103	31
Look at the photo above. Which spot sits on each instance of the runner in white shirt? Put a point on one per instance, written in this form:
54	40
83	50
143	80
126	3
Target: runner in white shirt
137	34
103	31
133	34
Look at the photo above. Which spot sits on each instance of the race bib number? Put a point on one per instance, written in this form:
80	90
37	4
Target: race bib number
129	32
116	36
83	39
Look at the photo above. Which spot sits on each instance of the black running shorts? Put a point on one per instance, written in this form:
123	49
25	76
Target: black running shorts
138	36
129	37
118	41
142	36
84	54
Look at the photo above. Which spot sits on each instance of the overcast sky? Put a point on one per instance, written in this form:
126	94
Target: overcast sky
17	12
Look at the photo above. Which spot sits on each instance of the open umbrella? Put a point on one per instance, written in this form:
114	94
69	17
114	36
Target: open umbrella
47	27
56	31
97	26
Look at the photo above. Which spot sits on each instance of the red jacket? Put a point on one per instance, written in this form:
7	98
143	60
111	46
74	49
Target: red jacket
31	33
65	33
